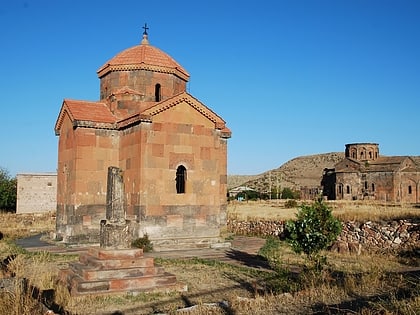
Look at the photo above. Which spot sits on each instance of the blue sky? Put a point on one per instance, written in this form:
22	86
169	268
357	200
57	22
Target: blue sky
290	77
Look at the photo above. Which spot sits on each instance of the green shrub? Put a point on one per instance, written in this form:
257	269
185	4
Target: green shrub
290	203
143	243
8	191
314	229
271	251
288	193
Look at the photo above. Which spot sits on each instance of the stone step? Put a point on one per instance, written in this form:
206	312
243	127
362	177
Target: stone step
105	254
142	262
93	273
128	284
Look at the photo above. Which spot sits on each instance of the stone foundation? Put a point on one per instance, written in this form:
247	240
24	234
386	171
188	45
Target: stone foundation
101	271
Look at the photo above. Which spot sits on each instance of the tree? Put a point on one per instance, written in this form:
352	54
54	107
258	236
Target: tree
288	193
8	191
314	229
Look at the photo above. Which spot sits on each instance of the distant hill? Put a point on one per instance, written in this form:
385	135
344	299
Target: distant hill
298	172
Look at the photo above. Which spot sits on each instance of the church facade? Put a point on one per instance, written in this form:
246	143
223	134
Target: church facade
171	148
365	174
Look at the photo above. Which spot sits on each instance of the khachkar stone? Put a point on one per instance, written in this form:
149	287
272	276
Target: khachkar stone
115	229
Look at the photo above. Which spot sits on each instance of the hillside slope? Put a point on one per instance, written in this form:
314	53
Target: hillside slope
298	172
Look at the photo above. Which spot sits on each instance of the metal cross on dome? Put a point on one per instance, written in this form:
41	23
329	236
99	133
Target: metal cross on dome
145	29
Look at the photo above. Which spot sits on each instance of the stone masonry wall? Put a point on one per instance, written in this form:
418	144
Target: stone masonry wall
36	192
355	236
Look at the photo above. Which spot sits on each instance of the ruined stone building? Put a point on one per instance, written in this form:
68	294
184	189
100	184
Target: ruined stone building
364	174
171	147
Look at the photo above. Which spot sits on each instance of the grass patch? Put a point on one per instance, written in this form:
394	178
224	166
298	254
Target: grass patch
369	283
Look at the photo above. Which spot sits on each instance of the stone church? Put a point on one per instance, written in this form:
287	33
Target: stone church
364	174
171	147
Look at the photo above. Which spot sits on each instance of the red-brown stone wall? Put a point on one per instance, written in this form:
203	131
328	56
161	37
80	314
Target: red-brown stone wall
142	81
131	156
384	186
177	136
84	154
410	187
149	154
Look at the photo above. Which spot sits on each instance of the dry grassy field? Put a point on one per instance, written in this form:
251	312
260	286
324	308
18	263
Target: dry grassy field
351	284
344	210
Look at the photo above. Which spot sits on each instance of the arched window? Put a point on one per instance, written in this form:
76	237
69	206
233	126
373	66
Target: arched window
348	189
373	187
157	93
181	177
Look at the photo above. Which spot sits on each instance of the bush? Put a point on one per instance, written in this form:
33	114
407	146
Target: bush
8	191
314	229
271	252
291	203
288	193
143	243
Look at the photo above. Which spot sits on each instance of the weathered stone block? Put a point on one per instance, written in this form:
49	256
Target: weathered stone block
115	235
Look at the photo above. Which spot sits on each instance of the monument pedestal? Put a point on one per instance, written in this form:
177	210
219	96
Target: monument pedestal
114	267
103	271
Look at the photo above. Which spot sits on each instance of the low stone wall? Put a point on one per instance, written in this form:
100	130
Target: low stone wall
355	236
378	236
256	228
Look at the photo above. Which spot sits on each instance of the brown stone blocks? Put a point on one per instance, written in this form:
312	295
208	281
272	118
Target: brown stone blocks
87	220
156	137
146	262
115	272
155	210
173	139
158	150
105	254
86	139
86	164
205	153
210	165
174	220
200	220
181	158
83	152
105	142
102	271
157	126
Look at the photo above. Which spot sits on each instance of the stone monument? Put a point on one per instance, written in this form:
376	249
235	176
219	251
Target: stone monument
115	231
115	267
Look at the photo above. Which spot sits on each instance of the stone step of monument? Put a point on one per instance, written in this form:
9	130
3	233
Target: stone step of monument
80	286
110	254
143	262
93	273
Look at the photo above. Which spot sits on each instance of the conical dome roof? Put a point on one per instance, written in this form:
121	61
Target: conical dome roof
144	57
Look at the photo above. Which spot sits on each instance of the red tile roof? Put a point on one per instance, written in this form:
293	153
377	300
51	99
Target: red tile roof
85	111
92	111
